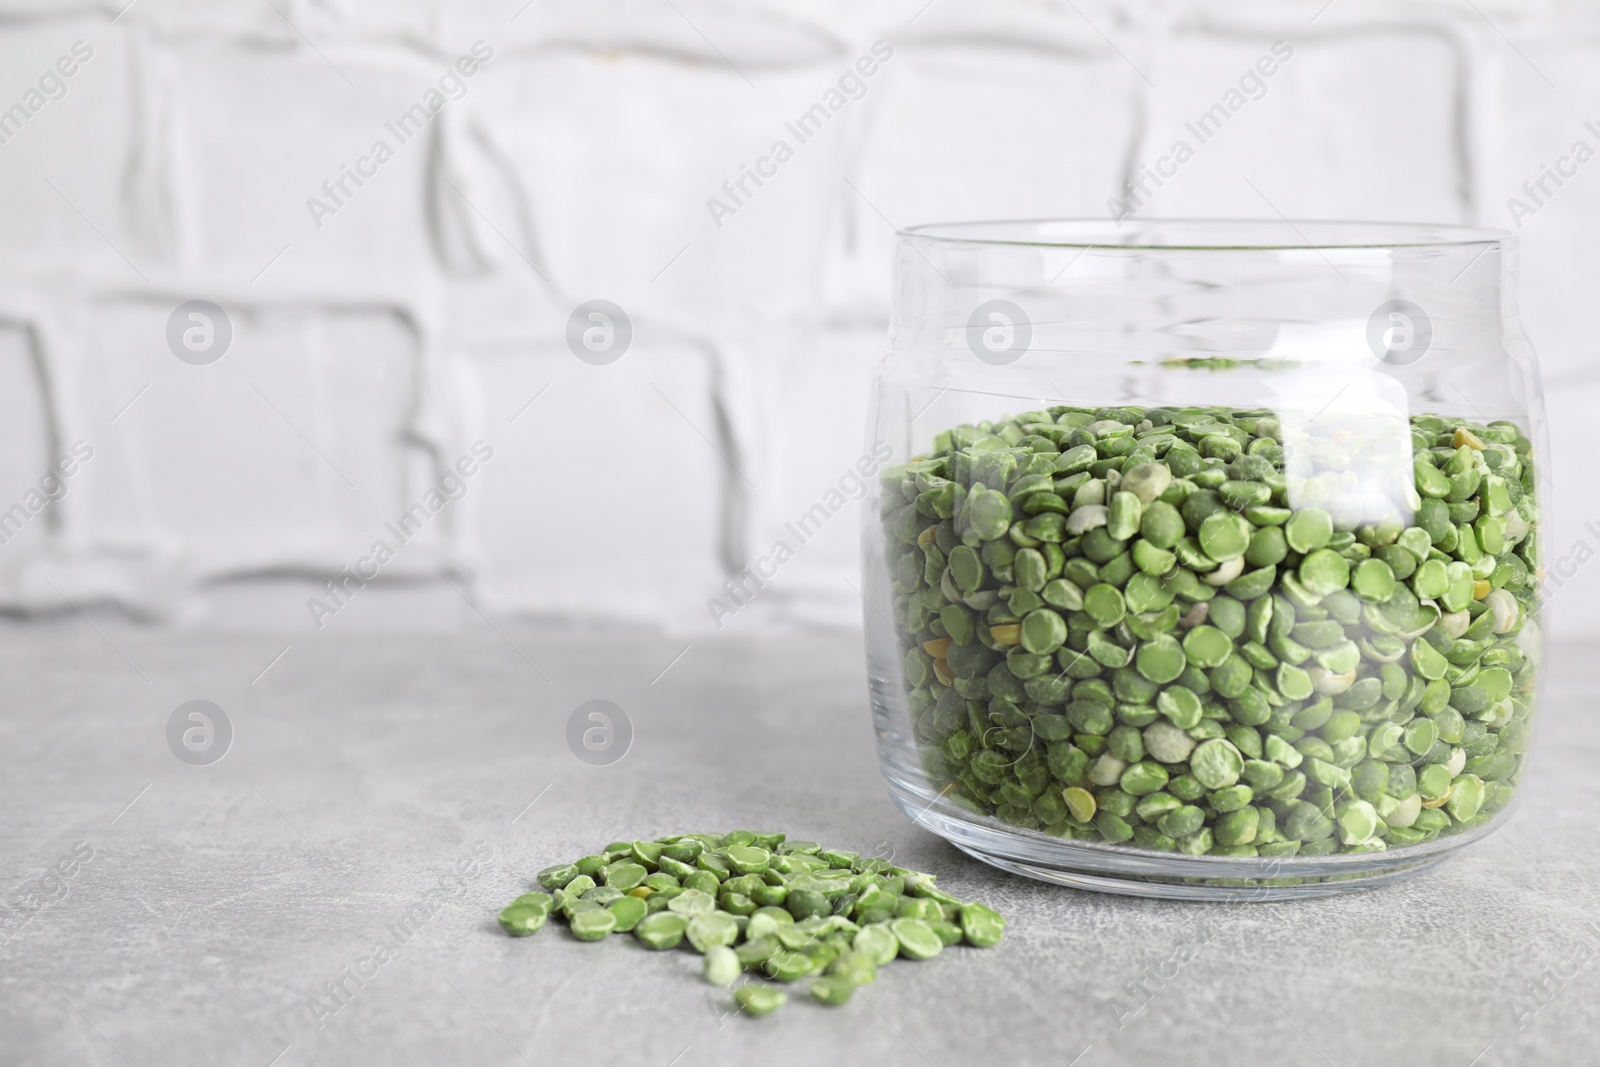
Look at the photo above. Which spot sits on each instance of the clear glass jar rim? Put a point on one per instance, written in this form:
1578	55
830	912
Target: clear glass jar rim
1207	235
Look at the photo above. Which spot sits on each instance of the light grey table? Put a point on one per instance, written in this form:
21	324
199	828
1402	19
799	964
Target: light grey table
365	774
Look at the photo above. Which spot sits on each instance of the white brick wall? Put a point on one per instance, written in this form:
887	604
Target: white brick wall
371	352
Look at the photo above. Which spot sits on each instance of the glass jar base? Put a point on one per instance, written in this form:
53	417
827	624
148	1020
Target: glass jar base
1195	888
1163	875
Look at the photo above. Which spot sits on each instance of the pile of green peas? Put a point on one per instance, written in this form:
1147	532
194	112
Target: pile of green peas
1219	631
785	910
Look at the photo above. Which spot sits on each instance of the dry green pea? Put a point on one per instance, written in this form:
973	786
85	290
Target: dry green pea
661	880
659	900
1182	822
1123	516
1080	802
1267	547
770	895
1466	797
1063	594
674	868
520	920
748	859
1427	661
917	908
757	1000
629	912
1161	659
692	902
877	942
966	569
756	951
1207	646
1216	763
703	882
1147	481
832	990
1430	580
721	966
1433	782
1281	752
982	925
1420	736
1237	827
715	864
1113	827
763	925
661	930
625	876
593	925
805	903
800	934
855	967
1340	725
1165	742
1324	571
1043	631
1358	821
1369	779
788	965
1224	536
1373	580
1029	569
735	903
603	894
1104	604
1230	798
1152	560
1198	843
1161	525
1399	812
917	939
1143	778
1180	705
1086	516
1262	775
1308	530
1328	774
711	930
557	877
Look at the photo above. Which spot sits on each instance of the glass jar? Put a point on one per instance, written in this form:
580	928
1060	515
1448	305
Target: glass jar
1207	563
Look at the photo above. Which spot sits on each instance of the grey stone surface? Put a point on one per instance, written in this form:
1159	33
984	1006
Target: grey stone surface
221	898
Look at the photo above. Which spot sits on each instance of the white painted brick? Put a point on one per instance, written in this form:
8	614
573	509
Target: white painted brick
958	135
290	452
1571	514
750	38
605	496
1558	260
811	404
254	18
643	142
1326	140
25	448
61	175
1561	239
254	135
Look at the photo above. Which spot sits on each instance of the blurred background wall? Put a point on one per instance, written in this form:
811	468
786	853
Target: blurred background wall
377	318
